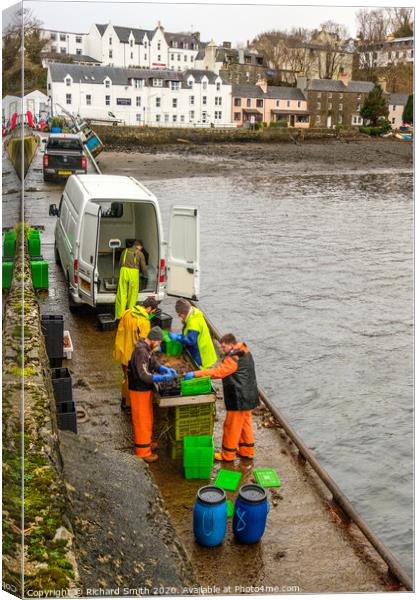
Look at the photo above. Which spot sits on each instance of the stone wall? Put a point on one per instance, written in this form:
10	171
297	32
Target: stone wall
30	442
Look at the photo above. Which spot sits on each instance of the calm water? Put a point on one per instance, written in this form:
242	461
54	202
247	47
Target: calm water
316	274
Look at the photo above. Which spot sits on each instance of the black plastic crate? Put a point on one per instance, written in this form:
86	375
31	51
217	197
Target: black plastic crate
53	329
67	421
106	322
65	407
40	257
62	384
162	320
167	389
56	363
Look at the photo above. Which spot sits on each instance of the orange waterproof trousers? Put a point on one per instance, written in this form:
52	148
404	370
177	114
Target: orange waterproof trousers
238	435
142	417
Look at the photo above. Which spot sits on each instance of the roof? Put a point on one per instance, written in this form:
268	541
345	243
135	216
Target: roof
252	111
284	93
336	85
398	99
79	57
198	74
110	187
248	91
123	33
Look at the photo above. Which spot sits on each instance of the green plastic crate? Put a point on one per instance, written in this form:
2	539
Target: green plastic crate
198	456
267	478
171	348
7	275
34	245
195	419
228	480
176	449
39	270
196	386
9	244
230	509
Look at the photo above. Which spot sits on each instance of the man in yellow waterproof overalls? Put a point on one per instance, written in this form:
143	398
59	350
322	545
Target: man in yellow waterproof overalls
132	263
134	324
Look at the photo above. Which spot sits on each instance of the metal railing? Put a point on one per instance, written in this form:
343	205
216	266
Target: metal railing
339	498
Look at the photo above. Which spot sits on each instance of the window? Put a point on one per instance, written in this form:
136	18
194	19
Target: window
172	56
204	117
166	118
107	100
158	102
394	107
298	103
107	83
204	85
356	120
237	116
318	119
110	54
131	55
217	114
192	57
158	46
218	86
204	100
157	118
175	44
157	82
318	105
389	55
182	118
340	107
248	102
341	96
277	102
68	98
62	50
260	103
138	100
138	83
237	102
68	81
329	95
191	115
78	39
179	69
218	100
191	100
393	120
53	36
145	44
175	85
358	108
340	119
138	117
78	51
159	57
174	103
319	95
178	56
173	118
88	99
288	104
411	53
62	37
110	41
113	210
131	43
145	57
190	83
185	58
53	49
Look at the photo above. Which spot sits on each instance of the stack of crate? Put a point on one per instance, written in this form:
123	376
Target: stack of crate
9	250
39	266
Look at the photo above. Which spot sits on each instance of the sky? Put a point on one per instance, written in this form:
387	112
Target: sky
238	21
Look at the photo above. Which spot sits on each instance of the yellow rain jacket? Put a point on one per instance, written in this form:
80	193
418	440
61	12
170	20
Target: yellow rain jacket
134	324
197	338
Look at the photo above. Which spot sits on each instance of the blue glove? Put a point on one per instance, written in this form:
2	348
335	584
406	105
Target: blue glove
189	375
175	337
168	371
159	378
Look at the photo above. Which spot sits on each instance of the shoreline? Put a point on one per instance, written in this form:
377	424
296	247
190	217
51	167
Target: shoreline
331	157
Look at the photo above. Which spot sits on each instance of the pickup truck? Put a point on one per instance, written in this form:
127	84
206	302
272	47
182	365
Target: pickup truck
63	156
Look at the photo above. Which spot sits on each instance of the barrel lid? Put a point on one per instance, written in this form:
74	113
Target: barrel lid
211	494
252	493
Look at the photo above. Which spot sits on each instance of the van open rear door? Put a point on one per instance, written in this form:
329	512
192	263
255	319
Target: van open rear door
88	253
183	274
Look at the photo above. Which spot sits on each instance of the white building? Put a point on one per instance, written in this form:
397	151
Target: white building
127	47
141	96
397	103
36	102
388	52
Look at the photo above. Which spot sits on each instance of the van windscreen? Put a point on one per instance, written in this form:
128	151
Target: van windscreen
64	144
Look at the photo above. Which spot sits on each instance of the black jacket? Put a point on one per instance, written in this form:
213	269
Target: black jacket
240	389
143	363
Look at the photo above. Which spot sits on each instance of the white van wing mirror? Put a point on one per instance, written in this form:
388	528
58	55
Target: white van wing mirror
53	210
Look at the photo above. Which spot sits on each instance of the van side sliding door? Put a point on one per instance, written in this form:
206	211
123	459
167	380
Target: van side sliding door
183	258
88	253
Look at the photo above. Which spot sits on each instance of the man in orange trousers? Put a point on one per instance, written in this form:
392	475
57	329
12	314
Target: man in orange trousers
143	371
240	391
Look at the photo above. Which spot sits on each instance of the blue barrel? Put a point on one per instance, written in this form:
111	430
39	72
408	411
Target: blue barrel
250	516
210	515
55	129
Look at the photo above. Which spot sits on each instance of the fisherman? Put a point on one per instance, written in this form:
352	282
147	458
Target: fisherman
134	324
143	371
195	334
132	263
240	391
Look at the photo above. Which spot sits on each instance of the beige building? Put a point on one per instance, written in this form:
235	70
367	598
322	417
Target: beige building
397	103
261	102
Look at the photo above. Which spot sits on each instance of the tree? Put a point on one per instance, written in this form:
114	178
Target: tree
334	36
373	25
407	116
401	20
375	105
23	29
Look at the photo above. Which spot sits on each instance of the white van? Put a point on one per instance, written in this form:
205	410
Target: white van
98	213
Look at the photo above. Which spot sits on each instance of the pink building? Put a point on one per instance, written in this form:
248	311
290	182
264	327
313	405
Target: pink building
260	102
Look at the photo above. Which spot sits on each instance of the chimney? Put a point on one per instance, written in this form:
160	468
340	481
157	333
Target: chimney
382	83
262	83
227	45
345	78
301	82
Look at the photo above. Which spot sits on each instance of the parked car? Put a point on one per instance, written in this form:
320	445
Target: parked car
63	156
99	213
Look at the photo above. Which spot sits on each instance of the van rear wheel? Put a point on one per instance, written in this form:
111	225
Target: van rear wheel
73	307
56	256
